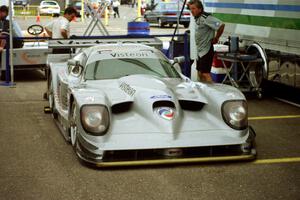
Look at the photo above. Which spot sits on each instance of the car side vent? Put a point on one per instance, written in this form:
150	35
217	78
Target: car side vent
163	104
191	105
121	107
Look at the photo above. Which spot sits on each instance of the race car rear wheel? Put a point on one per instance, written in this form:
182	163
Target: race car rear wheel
73	127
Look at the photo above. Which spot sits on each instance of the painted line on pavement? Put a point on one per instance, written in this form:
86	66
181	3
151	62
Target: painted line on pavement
274	117
277	160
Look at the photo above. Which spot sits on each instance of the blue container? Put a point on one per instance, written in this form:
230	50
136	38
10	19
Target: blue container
138	28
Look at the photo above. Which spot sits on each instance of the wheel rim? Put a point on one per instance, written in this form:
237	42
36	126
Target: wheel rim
73	128
256	75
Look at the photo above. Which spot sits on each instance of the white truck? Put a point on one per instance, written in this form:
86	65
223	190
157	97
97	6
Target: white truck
269	27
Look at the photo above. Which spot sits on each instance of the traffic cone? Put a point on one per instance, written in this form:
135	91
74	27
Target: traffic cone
38	18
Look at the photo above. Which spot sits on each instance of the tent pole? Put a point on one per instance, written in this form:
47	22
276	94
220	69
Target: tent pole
11	42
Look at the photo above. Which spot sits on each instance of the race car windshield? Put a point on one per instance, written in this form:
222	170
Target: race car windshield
117	68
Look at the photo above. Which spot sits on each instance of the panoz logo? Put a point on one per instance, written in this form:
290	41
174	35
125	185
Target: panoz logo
166	113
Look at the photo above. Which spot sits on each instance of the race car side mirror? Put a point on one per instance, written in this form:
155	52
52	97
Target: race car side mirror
74	68
179	60
73	62
176	63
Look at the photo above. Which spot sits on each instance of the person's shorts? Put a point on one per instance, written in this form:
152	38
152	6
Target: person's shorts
204	63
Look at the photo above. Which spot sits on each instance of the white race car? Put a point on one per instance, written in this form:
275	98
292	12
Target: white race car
127	104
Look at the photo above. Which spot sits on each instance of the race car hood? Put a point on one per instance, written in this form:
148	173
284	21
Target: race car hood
147	105
143	88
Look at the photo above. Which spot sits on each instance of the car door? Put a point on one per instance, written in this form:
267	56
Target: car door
152	16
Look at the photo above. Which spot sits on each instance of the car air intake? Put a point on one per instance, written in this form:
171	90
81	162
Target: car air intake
169	104
191	105
121	107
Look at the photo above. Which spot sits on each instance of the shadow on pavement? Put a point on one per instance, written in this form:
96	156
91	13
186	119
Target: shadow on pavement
27	75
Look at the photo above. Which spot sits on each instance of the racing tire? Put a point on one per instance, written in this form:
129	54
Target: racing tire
186	25
51	99
73	127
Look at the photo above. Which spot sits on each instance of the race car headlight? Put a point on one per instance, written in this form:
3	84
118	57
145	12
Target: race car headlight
235	114
94	119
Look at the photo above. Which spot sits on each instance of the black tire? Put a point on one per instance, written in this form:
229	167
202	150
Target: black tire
171	25
73	126
2	76
186	25
51	100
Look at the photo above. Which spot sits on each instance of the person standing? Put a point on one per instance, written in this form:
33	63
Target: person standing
60	28
208	30
5	30
6	3
115	5
4	26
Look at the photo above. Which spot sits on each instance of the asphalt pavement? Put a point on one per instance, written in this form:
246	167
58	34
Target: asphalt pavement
36	162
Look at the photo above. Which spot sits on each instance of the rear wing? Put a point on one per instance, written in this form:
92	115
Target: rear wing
90	41
84	42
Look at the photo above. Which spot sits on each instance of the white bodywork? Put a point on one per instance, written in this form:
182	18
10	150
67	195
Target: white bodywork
134	102
33	54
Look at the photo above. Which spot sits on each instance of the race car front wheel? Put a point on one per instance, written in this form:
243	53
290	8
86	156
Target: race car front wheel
73	126
51	99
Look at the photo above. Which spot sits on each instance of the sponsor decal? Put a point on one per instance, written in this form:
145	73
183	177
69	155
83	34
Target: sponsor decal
130	54
161	97
127	89
166	113
27	59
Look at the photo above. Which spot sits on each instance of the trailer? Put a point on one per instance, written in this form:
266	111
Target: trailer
270	28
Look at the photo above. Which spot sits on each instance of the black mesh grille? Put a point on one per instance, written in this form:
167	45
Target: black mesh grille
153	154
